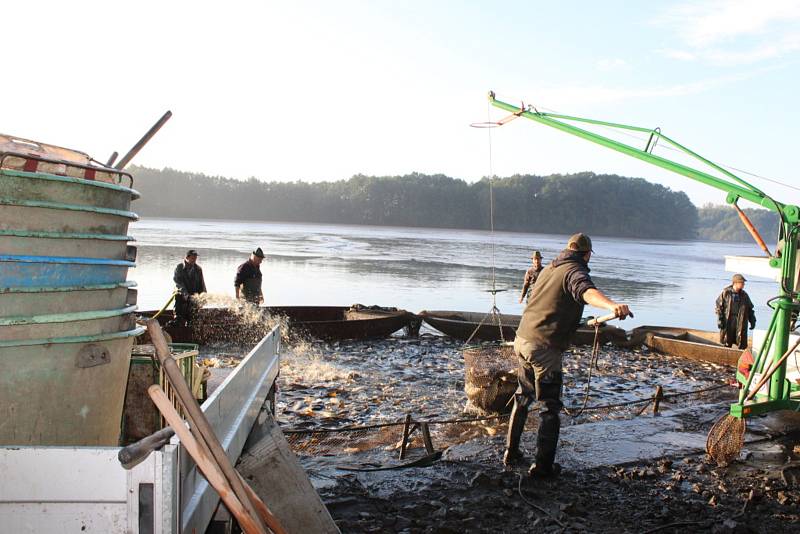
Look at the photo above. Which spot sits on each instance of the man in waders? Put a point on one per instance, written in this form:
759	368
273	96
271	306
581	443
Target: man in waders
188	278
550	318
531	275
734	310
248	279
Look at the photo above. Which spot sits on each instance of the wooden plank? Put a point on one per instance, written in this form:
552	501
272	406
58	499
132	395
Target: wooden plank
274	473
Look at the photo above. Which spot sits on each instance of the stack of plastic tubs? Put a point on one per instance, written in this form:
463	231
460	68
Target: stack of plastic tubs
67	320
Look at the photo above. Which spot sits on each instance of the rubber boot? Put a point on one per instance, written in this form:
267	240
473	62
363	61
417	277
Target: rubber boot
516	425
547	438
545	466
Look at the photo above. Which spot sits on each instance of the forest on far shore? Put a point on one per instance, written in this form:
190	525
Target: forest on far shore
600	204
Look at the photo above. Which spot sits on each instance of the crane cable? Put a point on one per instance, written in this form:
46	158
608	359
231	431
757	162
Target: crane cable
494	312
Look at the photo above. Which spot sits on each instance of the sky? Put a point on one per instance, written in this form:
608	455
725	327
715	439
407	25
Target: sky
323	90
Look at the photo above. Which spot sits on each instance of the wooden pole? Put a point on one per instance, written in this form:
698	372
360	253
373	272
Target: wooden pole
206	465
200	426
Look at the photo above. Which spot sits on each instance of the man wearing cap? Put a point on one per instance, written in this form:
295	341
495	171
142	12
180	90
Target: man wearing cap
531	275
734	310
188	278
550	318
248	279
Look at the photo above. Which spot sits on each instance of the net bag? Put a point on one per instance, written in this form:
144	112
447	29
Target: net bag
726	439
490	377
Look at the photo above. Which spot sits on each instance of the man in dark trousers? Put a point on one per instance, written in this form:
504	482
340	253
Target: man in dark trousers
550	318
188	278
734	311
531	275
248	279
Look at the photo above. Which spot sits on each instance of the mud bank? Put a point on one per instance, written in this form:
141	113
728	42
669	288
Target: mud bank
623	472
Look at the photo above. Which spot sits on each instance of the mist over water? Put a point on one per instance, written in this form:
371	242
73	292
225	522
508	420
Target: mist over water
670	283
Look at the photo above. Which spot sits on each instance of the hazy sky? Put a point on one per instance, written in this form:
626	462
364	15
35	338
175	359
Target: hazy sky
322	90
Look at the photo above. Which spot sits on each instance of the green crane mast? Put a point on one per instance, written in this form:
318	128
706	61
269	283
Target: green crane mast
782	395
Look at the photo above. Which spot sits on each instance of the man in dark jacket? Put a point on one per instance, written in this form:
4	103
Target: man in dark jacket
248	279
550	318
188	278
734	311
531	275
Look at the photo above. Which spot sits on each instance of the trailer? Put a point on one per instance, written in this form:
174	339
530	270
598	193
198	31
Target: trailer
86	489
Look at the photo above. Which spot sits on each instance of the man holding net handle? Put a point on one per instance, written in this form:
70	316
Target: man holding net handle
547	325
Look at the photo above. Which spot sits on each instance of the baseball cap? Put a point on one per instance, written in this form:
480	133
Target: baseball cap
192	252
258	252
738	278
580	242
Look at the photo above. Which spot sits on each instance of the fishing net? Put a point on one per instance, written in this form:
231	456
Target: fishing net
726	439
490	377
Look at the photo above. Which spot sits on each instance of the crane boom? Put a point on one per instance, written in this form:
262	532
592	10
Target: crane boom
782	394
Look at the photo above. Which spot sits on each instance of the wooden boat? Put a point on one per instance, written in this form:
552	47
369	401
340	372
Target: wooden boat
688	343
66	314
461	325
330	323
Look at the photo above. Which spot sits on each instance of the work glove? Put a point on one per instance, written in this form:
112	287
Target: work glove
720	324
753	325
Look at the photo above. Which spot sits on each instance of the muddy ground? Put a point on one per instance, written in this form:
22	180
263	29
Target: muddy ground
622	472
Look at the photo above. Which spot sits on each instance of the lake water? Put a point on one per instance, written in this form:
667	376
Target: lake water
665	282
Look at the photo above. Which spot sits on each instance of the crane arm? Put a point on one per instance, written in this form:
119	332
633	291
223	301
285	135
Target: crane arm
739	188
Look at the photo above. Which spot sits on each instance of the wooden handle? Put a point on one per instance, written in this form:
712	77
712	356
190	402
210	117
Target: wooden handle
135	453
600	320
771	371
209	469
201	428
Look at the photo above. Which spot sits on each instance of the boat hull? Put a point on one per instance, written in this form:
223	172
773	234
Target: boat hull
68	245
38	301
43	187
466	325
700	345
67	324
67	391
55	272
328	323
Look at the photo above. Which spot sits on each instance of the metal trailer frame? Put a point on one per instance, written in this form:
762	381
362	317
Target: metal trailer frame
85	489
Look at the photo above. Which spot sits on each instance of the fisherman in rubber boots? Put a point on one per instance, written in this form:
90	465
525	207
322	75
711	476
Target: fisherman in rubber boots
248	279
531	275
734	311
550	319
189	281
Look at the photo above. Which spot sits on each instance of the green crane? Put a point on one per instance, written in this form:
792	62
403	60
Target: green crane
782	394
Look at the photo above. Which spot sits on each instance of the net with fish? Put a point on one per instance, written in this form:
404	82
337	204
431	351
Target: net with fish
726	439
490	377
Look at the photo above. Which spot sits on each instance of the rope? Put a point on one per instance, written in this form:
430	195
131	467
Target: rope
494	311
592	364
494	417
165	306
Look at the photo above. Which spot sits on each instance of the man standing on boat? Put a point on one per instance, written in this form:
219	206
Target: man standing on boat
248	279
531	275
734	311
188	278
550	318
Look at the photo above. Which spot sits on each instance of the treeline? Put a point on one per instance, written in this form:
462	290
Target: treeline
600	204
721	223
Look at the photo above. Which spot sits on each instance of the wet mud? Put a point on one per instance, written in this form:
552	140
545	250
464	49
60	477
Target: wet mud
624	472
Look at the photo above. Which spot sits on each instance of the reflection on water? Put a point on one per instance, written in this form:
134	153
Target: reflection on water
666	282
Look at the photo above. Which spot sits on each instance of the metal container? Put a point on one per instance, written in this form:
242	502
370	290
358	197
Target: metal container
66	309
27	301
64	391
